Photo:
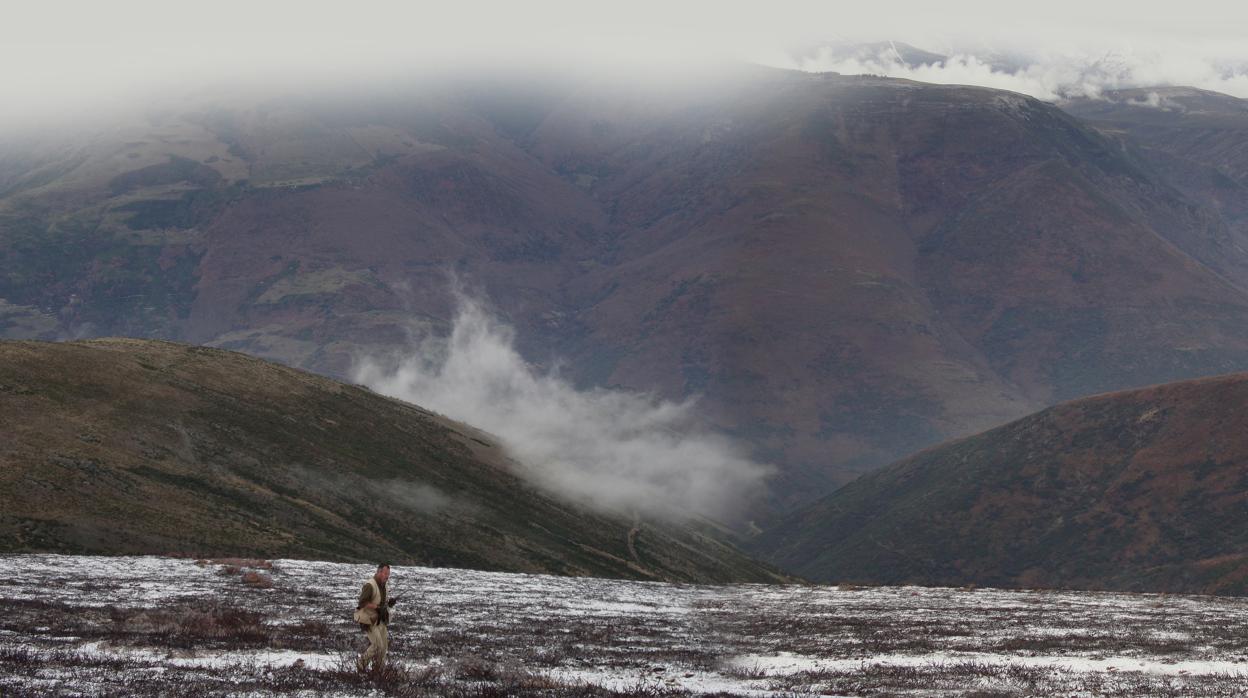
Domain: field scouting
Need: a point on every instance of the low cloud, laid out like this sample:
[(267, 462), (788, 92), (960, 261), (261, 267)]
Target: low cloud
[(1155, 101), (611, 448), (411, 496), (396, 494)]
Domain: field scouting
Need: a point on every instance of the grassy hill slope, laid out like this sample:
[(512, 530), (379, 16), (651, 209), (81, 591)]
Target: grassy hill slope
[(131, 446)]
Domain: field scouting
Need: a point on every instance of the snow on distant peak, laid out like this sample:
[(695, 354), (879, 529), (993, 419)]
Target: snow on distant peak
[(1050, 75)]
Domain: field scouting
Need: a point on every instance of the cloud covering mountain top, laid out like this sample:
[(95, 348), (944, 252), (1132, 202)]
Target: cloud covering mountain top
[(59, 55)]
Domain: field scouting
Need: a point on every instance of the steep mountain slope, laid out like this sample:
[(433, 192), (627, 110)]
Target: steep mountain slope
[(844, 268), (851, 267), (1197, 141), (1188, 123), (1141, 490), (129, 446)]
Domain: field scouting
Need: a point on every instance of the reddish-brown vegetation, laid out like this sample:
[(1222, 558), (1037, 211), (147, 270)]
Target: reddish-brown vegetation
[(1142, 490)]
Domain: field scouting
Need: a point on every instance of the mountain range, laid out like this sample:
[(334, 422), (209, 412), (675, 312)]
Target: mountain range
[(844, 269)]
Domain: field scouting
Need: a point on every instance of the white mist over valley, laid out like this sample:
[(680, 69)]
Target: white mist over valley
[(615, 448)]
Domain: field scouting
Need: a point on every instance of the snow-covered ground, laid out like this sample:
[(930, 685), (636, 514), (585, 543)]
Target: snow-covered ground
[(156, 626)]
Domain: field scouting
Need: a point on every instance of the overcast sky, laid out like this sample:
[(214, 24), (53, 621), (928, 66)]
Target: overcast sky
[(61, 53)]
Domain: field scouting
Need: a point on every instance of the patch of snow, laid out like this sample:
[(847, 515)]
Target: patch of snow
[(749, 640)]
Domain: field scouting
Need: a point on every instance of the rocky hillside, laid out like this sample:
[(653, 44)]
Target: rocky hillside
[(1140, 490), (846, 269), (129, 446)]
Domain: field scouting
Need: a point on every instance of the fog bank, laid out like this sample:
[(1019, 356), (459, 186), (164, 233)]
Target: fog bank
[(61, 57)]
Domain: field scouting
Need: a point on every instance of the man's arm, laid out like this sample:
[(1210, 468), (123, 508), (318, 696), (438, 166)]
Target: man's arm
[(366, 597)]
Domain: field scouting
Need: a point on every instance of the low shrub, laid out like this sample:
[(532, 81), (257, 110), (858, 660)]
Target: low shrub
[(257, 580)]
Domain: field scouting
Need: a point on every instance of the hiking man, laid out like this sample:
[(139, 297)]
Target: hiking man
[(373, 614)]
